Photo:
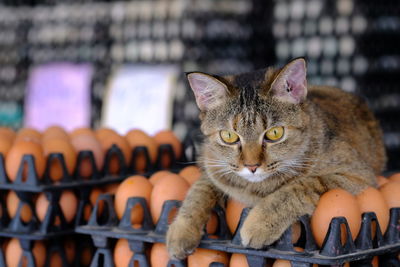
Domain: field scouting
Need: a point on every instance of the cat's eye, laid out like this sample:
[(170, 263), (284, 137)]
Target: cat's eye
[(274, 134), (229, 137)]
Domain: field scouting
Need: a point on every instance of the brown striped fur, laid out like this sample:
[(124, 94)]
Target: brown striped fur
[(333, 141)]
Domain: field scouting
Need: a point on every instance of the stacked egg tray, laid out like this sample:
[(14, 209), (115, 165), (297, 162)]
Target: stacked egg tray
[(104, 227), (28, 185)]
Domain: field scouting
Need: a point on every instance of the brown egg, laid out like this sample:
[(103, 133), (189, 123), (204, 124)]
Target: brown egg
[(81, 131), (172, 187), (134, 186), (390, 192), (88, 142), (110, 188), (372, 200), (69, 248), (68, 204), (158, 176), (13, 254), (168, 137), (191, 174), (122, 253), (137, 138), (94, 195), (12, 206), (334, 203), (395, 177), (55, 259), (286, 263), (102, 133), (375, 261), (28, 134), (8, 133), (5, 145), (54, 132), (204, 257), (233, 211), (212, 224), (159, 255), (17, 151), (114, 139), (238, 260), (86, 256), (381, 180), (64, 147)]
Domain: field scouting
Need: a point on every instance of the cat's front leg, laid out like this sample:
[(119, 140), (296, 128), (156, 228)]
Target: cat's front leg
[(185, 233), (269, 219)]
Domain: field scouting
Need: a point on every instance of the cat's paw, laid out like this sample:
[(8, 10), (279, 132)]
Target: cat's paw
[(255, 233), (182, 239)]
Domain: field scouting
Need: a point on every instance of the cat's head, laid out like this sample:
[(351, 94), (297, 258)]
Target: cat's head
[(254, 122)]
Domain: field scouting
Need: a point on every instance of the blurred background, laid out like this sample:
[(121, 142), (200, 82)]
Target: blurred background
[(120, 63)]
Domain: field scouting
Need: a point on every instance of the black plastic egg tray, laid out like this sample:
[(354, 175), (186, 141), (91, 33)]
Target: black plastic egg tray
[(106, 226)]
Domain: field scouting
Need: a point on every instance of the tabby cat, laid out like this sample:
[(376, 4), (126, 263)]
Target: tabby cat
[(276, 144)]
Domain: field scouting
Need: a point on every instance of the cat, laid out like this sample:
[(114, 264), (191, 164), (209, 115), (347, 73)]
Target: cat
[(275, 144)]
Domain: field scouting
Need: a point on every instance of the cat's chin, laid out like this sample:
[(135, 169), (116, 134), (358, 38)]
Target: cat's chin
[(254, 177)]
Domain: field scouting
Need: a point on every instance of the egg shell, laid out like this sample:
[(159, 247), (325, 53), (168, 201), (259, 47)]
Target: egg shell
[(204, 257), (16, 153), (28, 134), (138, 138), (172, 187), (8, 133), (191, 174), (68, 203), (168, 137), (158, 176), (286, 263), (55, 259), (334, 203), (159, 255), (54, 132), (86, 256), (395, 177), (69, 248), (134, 186), (238, 260), (115, 139), (64, 147), (12, 206), (122, 253), (110, 188), (390, 192), (94, 195), (104, 132), (233, 211), (212, 224), (381, 180), (82, 131), (88, 142), (372, 200), (5, 145), (13, 253), (375, 261)]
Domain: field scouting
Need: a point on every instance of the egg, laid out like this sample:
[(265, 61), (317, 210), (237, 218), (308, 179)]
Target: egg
[(28, 134), (334, 203), (122, 253), (159, 255), (104, 132), (84, 142), (54, 132), (233, 211), (68, 203), (204, 257), (172, 187), (158, 176), (94, 195), (86, 256), (69, 249), (82, 131), (64, 147), (381, 180), (7, 133), (286, 263), (238, 260), (191, 174), (134, 186), (114, 139), (395, 177), (390, 192), (375, 261), (212, 224), (5, 145), (13, 254), (138, 138), (55, 259), (14, 157), (110, 188), (12, 207), (168, 137), (372, 200)]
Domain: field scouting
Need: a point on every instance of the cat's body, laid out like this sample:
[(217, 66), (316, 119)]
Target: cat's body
[(326, 139)]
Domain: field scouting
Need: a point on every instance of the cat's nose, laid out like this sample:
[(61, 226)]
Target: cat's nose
[(252, 167)]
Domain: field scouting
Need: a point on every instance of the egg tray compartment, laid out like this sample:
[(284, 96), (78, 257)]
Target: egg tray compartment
[(360, 252), (32, 183), (53, 246), (34, 229)]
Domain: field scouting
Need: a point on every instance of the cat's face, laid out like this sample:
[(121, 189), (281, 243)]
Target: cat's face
[(253, 129)]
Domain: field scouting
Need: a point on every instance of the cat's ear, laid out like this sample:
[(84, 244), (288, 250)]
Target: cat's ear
[(209, 91), (290, 85)]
